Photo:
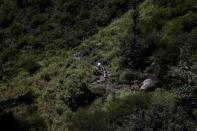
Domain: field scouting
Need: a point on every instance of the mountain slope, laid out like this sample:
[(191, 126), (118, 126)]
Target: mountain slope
[(56, 91), (29, 27), (60, 76)]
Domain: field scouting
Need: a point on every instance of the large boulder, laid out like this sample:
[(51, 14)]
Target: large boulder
[(147, 84)]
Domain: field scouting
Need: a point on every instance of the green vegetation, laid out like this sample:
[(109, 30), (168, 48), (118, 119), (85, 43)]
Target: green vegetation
[(150, 111), (44, 87), (37, 28)]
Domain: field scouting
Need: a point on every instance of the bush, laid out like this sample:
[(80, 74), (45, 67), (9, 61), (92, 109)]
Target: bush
[(46, 77), (23, 122), (98, 90), (96, 71), (151, 111), (135, 54), (38, 20), (163, 113), (7, 13), (127, 77), (22, 3), (166, 57), (31, 66), (110, 119), (169, 56), (77, 93), (130, 77), (88, 120), (41, 25)]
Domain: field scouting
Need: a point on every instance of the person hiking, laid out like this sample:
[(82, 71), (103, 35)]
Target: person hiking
[(77, 56), (102, 71)]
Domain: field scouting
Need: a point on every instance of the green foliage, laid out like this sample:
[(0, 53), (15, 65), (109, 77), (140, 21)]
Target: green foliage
[(127, 77), (7, 13), (156, 111), (162, 114), (96, 71), (23, 122), (31, 66), (98, 90), (135, 53), (77, 93), (170, 33), (101, 120), (84, 120), (161, 38), (41, 26)]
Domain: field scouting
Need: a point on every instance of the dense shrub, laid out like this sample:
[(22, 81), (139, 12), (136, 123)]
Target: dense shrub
[(31, 66), (28, 121), (92, 120), (97, 119), (163, 36), (156, 111), (135, 54), (37, 26), (98, 90), (161, 115), (7, 13), (169, 34), (22, 3), (46, 77), (127, 77), (77, 93)]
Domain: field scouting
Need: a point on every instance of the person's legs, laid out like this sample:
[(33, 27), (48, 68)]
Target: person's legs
[(102, 78)]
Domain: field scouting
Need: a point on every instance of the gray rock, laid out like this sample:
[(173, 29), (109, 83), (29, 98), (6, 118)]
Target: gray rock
[(148, 83)]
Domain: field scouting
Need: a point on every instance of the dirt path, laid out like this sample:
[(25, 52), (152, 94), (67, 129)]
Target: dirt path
[(118, 88)]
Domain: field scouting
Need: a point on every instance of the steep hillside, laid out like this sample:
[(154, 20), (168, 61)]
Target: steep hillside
[(54, 89), (29, 27), (61, 76)]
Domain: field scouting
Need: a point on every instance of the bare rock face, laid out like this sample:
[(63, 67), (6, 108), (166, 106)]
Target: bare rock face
[(148, 83)]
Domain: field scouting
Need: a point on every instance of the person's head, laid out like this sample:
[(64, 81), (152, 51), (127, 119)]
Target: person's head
[(98, 64)]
